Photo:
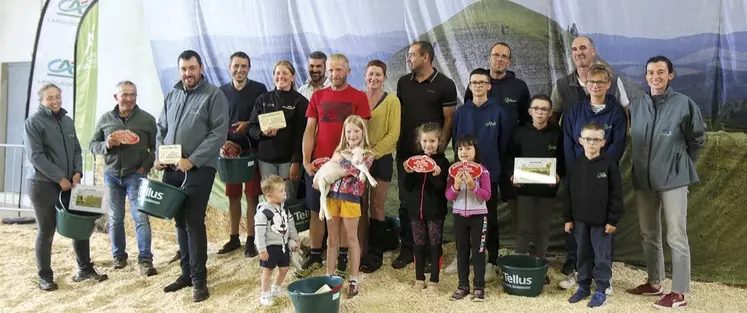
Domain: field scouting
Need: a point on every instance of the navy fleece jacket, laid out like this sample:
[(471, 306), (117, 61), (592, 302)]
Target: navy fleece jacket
[(492, 127), (612, 118)]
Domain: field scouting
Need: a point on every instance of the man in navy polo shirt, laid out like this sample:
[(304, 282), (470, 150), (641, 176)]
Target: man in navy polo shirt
[(242, 93), (426, 95)]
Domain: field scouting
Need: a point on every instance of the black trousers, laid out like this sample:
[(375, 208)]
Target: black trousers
[(427, 234), (493, 241), (594, 256), (470, 234), (190, 220), (44, 195)]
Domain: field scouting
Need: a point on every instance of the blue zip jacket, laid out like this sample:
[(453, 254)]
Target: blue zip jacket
[(612, 118), (492, 127)]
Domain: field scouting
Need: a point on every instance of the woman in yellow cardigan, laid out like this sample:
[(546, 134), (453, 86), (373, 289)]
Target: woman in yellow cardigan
[(383, 133)]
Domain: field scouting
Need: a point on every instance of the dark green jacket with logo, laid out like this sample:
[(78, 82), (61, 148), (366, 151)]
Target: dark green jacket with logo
[(667, 133), (52, 146), (124, 160), (197, 119)]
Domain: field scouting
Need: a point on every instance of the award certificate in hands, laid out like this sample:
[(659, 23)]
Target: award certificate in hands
[(274, 120), (535, 171)]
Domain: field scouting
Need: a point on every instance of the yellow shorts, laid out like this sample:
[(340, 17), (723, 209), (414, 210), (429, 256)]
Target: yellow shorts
[(342, 208)]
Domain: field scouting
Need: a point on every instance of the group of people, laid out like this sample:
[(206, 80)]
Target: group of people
[(583, 125)]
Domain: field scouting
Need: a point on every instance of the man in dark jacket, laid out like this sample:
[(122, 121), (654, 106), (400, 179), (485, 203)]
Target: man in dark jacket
[(242, 94), (512, 94), (124, 165), (195, 116)]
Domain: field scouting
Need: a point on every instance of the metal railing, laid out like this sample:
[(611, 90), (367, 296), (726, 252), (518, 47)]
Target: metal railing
[(13, 168)]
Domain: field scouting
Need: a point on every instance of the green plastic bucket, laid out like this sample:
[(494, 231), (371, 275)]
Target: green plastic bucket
[(74, 225), (523, 275), (159, 199), (302, 294), (237, 170)]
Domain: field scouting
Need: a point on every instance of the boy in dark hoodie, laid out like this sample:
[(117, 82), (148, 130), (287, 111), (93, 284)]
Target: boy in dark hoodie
[(485, 119), (542, 138), (593, 207), (605, 110)]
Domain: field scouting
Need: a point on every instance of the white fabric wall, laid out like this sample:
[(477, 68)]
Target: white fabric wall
[(125, 54)]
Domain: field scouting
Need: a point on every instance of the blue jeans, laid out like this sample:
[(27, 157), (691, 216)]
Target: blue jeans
[(119, 189)]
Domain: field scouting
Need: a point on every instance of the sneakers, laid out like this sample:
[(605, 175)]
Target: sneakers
[(490, 273), (147, 269), (452, 268), (459, 293), (310, 265), (266, 299), (353, 289), (47, 284), (250, 250), (342, 266), (671, 300), (609, 290), (180, 283), (568, 282), (419, 285), (432, 288), (120, 262), (478, 295), (89, 274), (645, 290), (231, 245), (597, 299), (405, 257), (580, 294), (277, 292)]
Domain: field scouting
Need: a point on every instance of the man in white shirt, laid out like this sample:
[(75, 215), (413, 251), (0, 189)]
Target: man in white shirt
[(317, 78)]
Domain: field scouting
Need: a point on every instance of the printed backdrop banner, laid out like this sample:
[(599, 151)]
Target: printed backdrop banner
[(54, 52), (705, 39)]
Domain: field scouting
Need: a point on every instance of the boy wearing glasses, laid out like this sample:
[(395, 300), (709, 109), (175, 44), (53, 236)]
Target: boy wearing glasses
[(593, 207), (484, 118), (605, 110), (540, 138)]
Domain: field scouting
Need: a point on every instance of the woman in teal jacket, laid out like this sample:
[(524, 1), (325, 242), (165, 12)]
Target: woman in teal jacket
[(667, 133), (53, 149)]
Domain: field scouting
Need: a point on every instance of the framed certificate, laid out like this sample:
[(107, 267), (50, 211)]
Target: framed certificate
[(274, 120), (89, 199), (169, 154), (535, 171)]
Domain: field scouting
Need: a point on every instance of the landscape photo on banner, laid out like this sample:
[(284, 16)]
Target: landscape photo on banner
[(707, 44)]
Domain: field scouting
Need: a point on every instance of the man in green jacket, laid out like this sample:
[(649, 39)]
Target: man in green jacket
[(125, 164)]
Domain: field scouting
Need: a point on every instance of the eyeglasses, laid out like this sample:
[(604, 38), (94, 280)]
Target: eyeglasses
[(595, 82), (479, 84), (592, 140), (540, 109)]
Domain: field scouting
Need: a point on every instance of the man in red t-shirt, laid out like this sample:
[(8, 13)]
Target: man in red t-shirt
[(327, 111)]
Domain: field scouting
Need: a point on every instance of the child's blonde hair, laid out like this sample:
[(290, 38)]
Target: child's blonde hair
[(271, 183), (358, 122), (427, 128)]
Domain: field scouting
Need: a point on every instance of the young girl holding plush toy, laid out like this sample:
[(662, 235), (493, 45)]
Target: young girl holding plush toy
[(344, 198)]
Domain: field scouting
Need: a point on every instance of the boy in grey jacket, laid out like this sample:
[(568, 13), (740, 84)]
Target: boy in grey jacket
[(274, 227), (667, 134)]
